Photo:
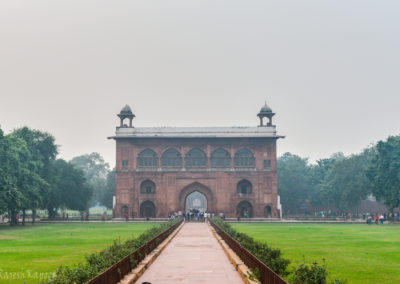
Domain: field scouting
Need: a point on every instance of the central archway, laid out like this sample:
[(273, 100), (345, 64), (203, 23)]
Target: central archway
[(200, 192), (196, 200)]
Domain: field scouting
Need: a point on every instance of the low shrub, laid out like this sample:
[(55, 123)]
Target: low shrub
[(312, 274), (309, 274), (98, 262)]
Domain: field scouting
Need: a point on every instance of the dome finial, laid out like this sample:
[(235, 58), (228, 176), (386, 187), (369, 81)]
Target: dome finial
[(126, 110), (265, 108)]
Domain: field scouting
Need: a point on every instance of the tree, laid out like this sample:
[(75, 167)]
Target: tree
[(96, 172), (106, 198), (349, 180), (293, 182), (34, 183), (323, 191), (14, 156), (68, 189), (384, 172)]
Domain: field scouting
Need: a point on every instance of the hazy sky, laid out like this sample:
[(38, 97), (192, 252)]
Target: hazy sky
[(329, 69)]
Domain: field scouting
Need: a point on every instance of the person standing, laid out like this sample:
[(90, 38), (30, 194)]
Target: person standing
[(126, 217)]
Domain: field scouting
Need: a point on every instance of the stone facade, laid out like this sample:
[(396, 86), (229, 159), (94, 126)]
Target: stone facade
[(234, 168)]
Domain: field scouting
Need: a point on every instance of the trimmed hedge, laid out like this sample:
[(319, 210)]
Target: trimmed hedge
[(303, 274), (269, 256), (98, 262)]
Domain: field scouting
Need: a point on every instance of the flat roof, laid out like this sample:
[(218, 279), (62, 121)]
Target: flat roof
[(196, 132)]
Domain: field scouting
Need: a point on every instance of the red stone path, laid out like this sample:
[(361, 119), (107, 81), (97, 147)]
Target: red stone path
[(193, 256)]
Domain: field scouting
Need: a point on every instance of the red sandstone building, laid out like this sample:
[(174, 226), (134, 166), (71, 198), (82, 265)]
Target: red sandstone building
[(229, 170)]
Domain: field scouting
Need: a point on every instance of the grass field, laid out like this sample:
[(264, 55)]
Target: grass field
[(33, 252), (357, 252)]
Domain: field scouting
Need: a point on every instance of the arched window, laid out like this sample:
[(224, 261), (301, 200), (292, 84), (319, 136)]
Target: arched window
[(171, 158), (220, 158), (244, 158), (196, 158), (147, 209), (244, 187), (148, 187), (148, 158)]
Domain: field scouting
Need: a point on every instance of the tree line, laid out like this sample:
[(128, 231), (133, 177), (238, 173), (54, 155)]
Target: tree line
[(339, 183), (32, 177)]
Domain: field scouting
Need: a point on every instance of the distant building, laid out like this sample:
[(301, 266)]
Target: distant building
[(231, 170)]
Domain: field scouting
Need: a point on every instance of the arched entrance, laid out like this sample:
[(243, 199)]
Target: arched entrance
[(244, 209), (147, 209), (196, 200), (124, 211), (201, 192), (267, 211)]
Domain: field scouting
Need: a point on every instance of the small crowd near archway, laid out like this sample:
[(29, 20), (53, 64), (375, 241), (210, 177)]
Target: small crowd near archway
[(196, 215), (377, 218)]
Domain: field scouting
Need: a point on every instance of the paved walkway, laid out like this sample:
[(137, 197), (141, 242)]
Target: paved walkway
[(193, 256)]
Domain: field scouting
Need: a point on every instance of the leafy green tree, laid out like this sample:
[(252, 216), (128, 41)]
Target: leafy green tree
[(323, 193), (68, 189), (34, 183), (106, 197), (349, 179), (96, 171), (14, 156), (293, 182), (384, 172)]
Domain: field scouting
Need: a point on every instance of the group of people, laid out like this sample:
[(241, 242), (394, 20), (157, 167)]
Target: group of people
[(195, 215), (379, 218)]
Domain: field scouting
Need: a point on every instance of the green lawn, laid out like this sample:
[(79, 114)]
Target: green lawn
[(32, 252), (357, 252)]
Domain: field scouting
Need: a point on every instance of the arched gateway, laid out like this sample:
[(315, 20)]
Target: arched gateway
[(196, 196), (197, 201)]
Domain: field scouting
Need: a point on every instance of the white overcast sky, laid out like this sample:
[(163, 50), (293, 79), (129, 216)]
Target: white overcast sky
[(329, 69)]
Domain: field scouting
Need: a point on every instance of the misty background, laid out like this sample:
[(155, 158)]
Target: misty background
[(329, 69)]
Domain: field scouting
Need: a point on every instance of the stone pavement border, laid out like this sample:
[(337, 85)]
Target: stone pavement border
[(149, 259), (193, 256), (243, 270)]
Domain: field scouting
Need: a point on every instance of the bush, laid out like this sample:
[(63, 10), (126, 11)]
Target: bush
[(98, 262), (305, 274), (269, 256), (312, 274)]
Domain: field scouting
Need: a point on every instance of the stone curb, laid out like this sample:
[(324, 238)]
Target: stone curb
[(240, 267), (148, 260)]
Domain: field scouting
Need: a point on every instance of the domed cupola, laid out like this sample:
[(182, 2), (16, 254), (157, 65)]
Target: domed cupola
[(126, 112), (265, 111)]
